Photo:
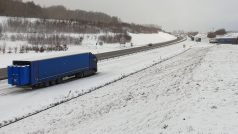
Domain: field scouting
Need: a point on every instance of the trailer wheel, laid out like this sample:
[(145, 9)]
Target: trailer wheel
[(41, 84), (47, 84), (52, 82), (79, 75), (35, 86), (59, 80)]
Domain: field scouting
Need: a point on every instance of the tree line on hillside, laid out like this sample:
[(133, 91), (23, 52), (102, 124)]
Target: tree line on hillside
[(31, 10), (20, 25), (192, 33), (0, 30), (35, 48), (55, 39), (66, 20), (121, 38)]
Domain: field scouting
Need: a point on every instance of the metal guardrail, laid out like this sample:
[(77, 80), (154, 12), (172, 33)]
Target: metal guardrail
[(113, 54), (118, 53)]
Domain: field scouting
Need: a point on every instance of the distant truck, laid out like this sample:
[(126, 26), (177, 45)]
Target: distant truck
[(227, 40), (192, 38), (50, 71), (197, 39), (213, 40)]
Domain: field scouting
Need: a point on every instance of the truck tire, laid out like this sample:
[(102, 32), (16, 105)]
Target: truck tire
[(53, 82), (47, 84), (59, 80), (37, 86)]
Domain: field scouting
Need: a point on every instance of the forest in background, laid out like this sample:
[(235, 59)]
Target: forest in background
[(13, 8), (54, 28)]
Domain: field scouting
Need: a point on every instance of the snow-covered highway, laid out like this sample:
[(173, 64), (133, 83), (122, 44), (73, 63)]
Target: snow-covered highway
[(193, 92), (180, 95), (17, 103)]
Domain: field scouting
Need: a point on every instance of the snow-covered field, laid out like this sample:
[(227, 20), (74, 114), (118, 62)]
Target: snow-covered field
[(88, 45), (194, 92)]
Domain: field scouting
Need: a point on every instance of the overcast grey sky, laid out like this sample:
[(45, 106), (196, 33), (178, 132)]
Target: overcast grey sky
[(202, 15)]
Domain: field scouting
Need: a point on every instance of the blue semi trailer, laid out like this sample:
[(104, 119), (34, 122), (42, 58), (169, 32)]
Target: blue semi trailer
[(50, 71), (227, 40)]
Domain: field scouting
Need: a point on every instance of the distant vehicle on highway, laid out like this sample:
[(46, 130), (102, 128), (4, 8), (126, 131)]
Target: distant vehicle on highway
[(192, 38), (50, 71), (227, 40), (198, 39), (213, 40)]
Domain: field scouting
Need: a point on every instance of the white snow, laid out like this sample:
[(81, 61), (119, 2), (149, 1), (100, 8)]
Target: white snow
[(150, 38), (19, 102), (3, 19)]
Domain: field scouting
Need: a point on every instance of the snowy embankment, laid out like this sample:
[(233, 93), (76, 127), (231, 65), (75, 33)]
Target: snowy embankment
[(22, 102), (195, 92), (88, 45)]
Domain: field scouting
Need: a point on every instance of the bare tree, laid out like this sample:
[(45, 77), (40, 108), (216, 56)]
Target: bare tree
[(0, 30), (21, 49), (9, 50), (4, 48), (15, 49)]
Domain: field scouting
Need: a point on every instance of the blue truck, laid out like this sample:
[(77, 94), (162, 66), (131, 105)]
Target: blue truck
[(227, 40), (50, 71)]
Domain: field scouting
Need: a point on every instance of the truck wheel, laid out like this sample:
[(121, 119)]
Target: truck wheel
[(41, 85), (52, 82), (58, 81), (35, 86), (47, 84), (78, 75)]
